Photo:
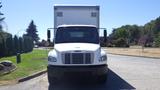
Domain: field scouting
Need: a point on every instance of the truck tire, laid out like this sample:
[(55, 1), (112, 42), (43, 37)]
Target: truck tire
[(52, 80)]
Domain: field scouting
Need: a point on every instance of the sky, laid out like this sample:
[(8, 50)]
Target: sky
[(113, 13)]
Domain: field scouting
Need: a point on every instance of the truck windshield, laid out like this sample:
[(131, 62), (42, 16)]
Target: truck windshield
[(77, 35)]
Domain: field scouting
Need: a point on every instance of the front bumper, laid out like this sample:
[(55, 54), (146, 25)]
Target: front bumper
[(71, 71)]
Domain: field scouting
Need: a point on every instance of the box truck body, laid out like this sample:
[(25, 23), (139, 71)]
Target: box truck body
[(76, 15), (76, 44)]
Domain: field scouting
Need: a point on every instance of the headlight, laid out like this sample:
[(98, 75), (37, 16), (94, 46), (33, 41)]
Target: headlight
[(52, 59), (103, 58)]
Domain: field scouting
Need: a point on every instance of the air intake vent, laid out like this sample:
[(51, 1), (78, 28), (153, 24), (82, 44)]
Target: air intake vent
[(77, 58)]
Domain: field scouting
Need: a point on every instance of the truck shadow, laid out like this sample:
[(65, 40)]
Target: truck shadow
[(114, 82)]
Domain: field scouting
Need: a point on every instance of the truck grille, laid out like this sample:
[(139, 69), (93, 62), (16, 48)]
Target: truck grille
[(77, 58)]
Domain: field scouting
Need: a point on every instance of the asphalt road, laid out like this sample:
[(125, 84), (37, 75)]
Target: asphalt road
[(126, 73)]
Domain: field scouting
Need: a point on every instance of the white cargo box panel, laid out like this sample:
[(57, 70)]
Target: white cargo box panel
[(76, 15)]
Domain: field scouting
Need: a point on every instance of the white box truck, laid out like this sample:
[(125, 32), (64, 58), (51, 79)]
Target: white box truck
[(76, 44)]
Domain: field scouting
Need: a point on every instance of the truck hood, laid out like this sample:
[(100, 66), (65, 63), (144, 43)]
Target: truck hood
[(76, 46)]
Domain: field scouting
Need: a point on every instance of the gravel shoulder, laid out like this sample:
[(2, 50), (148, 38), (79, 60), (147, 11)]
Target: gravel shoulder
[(146, 52)]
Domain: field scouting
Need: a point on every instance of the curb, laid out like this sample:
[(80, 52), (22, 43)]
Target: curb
[(134, 56), (32, 76)]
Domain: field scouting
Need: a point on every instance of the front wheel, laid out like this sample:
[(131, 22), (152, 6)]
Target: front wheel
[(52, 80)]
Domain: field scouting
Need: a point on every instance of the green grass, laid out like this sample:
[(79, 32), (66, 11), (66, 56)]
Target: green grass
[(30, 63)]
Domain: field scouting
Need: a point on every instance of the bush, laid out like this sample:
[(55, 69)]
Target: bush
[(157, 41), (121, 42)]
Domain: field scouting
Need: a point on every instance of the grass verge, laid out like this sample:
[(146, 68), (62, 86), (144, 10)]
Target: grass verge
[(30, 63)]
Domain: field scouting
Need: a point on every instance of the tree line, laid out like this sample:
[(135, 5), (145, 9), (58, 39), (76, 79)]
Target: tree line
[(10, 45), (127, 35)]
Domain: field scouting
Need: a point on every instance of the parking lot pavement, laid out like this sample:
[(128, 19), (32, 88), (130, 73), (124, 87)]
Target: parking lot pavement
[(141, 73), (126, 73)]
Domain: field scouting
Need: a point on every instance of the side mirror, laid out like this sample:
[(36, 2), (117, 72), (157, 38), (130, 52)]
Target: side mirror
[(105, 36), (48, 36)]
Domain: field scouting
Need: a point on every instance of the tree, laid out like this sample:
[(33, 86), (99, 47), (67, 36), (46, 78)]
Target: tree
[(21, 44), (121, 42), (2, 45), (134, 34), (16, 44), (156, 27), (147, 35), (128, 34), (157, 41), (28, 44), (32, 31), (9, 45), (1, 18)]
